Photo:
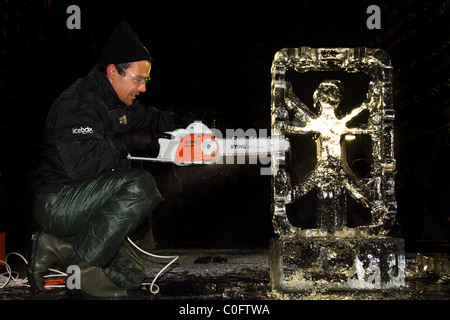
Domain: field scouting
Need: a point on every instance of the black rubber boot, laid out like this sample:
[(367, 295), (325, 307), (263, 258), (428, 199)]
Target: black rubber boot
[(46, 251), (94, 284)]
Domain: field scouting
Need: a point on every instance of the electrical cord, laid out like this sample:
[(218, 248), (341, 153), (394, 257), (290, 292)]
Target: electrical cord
[(152, 284), (7, 278)]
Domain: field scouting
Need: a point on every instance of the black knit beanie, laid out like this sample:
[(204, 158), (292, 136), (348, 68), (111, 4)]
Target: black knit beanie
[(124, 46)]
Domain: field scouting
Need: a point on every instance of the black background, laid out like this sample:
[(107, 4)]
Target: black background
[(213, 58)]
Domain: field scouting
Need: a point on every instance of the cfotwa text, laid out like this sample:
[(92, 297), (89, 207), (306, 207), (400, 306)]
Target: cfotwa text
[(245, 309)]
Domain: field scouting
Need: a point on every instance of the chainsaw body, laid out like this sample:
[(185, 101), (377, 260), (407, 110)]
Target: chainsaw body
[(197, 144)]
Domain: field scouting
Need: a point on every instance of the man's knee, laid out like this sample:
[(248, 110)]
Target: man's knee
[(143, 182), (143, 186)]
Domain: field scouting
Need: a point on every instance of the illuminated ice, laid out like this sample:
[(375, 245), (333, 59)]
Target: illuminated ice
[(332, 179)]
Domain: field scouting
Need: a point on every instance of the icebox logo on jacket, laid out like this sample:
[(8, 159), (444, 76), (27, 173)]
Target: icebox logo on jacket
[(82, 130)]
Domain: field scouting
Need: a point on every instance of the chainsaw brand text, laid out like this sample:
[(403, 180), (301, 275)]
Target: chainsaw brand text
[(246, 147)]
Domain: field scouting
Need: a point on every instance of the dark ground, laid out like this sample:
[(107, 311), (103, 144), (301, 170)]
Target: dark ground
[(243, 275)]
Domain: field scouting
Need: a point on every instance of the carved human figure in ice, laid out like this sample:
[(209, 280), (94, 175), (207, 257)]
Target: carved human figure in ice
[(331, 174)]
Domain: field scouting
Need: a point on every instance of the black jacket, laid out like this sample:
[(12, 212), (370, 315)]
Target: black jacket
[(81, 137)]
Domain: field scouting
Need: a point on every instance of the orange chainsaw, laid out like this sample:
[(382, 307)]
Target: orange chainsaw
[(197, 144)]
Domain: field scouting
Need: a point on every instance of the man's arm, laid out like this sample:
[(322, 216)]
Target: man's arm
[(152, 119), (84, 146)]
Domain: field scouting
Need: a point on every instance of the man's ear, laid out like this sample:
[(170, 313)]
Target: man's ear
[(111, 71)]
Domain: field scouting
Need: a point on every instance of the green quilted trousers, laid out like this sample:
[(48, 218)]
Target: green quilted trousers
[(96, 216)]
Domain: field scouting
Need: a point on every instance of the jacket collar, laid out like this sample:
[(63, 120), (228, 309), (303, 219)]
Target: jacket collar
[(106, 90)]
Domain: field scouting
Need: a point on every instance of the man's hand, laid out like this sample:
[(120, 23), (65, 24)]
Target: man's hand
[(142, 140), (182, 120)]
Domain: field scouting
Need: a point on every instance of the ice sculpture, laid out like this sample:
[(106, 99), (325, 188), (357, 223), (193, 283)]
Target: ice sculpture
[(342, 257)]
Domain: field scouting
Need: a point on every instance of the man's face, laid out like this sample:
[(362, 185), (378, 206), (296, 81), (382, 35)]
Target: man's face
[(128, 86)]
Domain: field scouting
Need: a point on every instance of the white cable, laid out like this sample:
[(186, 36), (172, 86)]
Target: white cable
[(15, 280), (155, 256), (8, 271), (58, 273)]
